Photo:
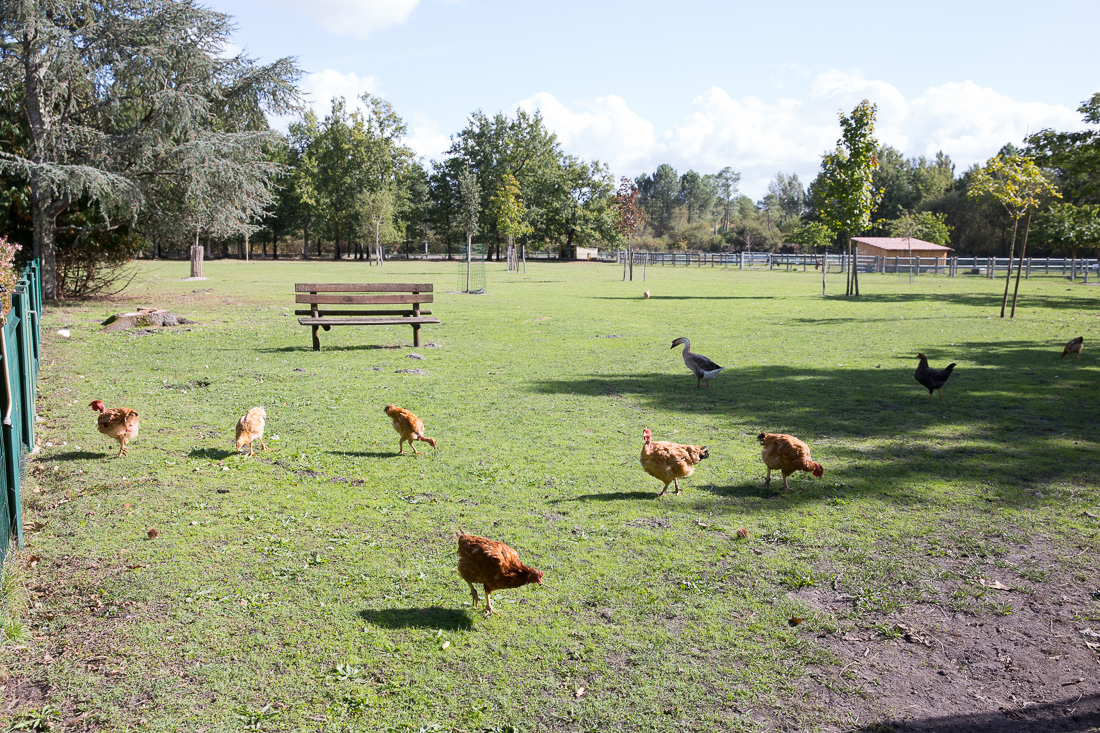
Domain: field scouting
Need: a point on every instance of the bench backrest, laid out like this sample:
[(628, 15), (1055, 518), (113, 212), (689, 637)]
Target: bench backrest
[(363, 293)]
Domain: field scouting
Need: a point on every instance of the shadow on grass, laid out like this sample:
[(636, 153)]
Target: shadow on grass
[(212, 454), (751, 490), (612, 496), (78, 455), (430, 617), (308, 348), (1070, 715), (1014, 417), (686, 297), (366, 454)]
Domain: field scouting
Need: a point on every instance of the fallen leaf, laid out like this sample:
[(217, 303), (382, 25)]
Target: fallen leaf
[(742, 533), (579, 692), (152, 533), (794, 621), (704, 526), (445, 645), (994, 585)]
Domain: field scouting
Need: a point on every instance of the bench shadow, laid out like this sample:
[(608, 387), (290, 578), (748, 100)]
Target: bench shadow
[(356, 347), (429, 617), (75, 455), (213, 454)]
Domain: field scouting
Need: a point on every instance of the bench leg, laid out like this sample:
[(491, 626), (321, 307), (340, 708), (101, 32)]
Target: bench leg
[(316, 340), (416, 334)]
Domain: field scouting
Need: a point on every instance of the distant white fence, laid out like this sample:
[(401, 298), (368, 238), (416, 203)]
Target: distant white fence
[(838, 262)]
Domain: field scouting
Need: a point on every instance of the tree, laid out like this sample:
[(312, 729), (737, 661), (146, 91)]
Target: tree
[(785, 200), (697, 194), (660, 194), (1019, 186), (509, 212), (629, 216), (131, 102), (1065, 227), (727, 180), (922, 225), (469, 193), (377, 210), (812, 236), (1074, 156), (847, 195)]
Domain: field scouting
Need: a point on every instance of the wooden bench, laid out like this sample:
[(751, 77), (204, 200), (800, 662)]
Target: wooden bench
[(349, 299)]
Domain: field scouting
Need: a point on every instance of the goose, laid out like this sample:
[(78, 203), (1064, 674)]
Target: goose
[(703, 368)]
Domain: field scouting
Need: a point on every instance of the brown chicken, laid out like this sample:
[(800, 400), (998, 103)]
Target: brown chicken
[(1074, 347), (250, 428), (409, 427), (786, 454), (120, 423), (668, 462), (494, 565)]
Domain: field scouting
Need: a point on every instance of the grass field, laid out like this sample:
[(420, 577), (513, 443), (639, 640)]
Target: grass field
[(313, 587)]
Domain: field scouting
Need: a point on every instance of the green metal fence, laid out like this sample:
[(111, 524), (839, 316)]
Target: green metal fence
[(19, 360)]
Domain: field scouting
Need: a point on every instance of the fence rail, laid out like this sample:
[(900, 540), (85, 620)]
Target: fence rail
[(838, 262), (20, 357)]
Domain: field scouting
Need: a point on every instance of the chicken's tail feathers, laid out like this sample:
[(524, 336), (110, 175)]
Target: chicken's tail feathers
[(947, 369), (819, 470)]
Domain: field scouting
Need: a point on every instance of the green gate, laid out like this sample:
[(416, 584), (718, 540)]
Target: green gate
[(20, 356)]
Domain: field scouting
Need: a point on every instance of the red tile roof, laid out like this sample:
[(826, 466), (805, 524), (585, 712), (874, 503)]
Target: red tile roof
[(902, 244)]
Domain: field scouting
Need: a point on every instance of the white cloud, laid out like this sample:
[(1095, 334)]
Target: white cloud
[(605, 130), (760, 138), (320, 89), (358, 18)]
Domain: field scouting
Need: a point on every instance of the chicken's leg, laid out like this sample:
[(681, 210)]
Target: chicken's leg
[(677, 485), (401, 447), (786, 486), (473, 593), (263, 444), (663, 490), (488, 603), (768, 479)]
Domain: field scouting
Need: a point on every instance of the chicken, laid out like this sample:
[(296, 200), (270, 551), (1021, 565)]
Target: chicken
[(250, 428), (668, 462), (120, 423), (646, 295), (409, 427), (703, 368), (494, 565), (1074, 347), (933, 379), (786, 454)]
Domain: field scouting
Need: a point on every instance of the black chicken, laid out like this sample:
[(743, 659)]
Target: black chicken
[(933, 379)]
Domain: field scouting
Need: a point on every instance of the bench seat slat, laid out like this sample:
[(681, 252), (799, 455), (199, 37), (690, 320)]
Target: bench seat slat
[(365, 321), (325, 312), (362, 287), (364, 299)]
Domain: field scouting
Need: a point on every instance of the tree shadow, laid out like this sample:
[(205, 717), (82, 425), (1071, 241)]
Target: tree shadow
[(1021, 420), (985, 300), (429, 617), (685, 297), (1072, 715), (612, 496), (212, 454), (76, 455)]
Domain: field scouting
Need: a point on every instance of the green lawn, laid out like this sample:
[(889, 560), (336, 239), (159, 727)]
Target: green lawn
[(313, 587)]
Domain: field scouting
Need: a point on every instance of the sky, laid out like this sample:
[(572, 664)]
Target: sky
[(698, 84)]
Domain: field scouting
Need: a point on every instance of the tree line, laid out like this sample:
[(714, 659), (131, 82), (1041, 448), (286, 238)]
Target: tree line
[(126, 130)]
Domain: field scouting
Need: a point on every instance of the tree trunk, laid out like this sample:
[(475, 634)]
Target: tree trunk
[(1023, 253), (469, 259), (45, 246), (1008, 277)]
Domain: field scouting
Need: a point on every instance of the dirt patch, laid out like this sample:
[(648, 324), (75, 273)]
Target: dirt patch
[(1029, 664), (650, 523)]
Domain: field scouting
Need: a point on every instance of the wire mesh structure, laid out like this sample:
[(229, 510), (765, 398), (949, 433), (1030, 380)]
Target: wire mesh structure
[(471, 278)]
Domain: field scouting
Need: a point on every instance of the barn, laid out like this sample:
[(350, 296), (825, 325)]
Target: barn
[(904, 247)]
